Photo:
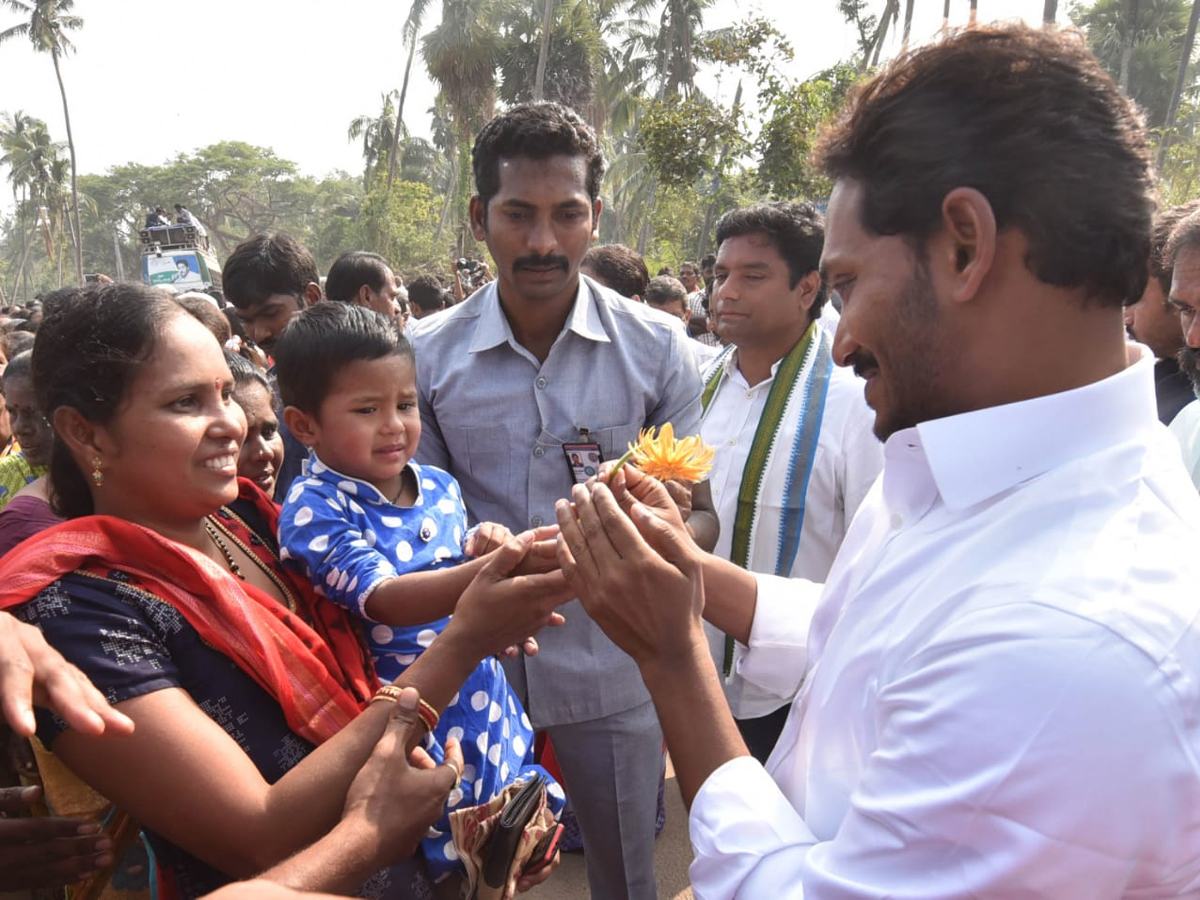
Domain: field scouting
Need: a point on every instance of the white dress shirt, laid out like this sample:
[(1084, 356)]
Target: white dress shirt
[(1003, 681), (1186, 429), (847, 461)]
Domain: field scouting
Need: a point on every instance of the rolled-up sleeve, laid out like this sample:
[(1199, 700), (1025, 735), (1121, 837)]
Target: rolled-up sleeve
[(778, 653)]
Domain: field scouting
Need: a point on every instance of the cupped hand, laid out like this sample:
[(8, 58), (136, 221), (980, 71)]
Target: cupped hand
[(637, 574), (631, 485), (46, 851), (502, 607), (31, 671), (396, 796)]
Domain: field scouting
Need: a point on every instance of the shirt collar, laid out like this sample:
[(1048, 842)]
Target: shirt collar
[(584, 319), (977, 455), (356, 487)]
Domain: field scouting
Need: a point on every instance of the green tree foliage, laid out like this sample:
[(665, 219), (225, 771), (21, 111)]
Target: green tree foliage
[(1156, 36), (401, 224), (786, 140), (683, 138)]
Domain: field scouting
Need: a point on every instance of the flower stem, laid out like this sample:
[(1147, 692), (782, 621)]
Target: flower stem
[(617, 466)]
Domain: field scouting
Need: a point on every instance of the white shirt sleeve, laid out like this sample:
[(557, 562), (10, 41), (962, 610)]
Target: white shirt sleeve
[(980, 735), (778, 652)]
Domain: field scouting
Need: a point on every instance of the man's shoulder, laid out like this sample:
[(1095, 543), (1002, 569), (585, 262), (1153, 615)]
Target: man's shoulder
[(454, 323), (632, 319)]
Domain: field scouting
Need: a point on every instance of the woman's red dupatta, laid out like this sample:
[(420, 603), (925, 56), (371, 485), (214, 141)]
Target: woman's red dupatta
[(319, 673)]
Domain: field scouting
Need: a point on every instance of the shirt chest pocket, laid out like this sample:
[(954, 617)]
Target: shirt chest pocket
[(615, 441)]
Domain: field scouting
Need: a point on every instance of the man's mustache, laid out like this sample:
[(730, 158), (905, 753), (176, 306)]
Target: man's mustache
[(541, 262)]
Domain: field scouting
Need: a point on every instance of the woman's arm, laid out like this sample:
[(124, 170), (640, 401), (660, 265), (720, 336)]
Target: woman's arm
[(182, 776)]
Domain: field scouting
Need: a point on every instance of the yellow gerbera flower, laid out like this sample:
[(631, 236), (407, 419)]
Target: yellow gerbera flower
[(666, 458)]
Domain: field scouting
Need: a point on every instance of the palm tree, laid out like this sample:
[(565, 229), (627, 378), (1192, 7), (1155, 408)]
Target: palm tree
[(377, 137), (49, 21), (1049, 13), (34, 165), (1139, 44), (1185, 60), (1127, 39), (412, 28), (539, 81), (945, 18), (971, 20)]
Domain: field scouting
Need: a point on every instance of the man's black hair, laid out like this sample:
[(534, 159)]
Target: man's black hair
[(321, 341), (536, 131), (795, 230), (427, 292), (267, 264), (351, 271)]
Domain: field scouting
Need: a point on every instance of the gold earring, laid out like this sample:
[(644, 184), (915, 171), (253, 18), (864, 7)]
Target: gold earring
[(97, 475)]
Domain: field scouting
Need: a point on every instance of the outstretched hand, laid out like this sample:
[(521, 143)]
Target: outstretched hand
[(637, 574), (395, 798), (503, 606), (31, 671), (46, 851)]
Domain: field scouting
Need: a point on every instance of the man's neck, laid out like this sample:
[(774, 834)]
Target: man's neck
[(536, 325), (756, 362)]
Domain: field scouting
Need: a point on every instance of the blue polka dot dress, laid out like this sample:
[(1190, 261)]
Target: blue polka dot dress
[(345, 536)]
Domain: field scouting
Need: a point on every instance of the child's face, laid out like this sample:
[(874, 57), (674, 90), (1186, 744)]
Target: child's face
[(368, 426)]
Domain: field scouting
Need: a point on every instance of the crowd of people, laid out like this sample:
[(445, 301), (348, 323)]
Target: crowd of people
[(290, 582)]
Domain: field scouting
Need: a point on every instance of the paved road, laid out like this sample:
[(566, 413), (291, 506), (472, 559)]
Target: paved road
[(673, 855)]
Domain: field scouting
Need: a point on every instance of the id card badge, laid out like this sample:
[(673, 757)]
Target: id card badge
[(584, 460)]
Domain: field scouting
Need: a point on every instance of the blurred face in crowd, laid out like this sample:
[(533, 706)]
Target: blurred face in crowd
[(687, 276), (1154, 322), (383, 301), (1185, 300), (264, 322), (538, 227), (32, 430), (261, 455), (677, 307)]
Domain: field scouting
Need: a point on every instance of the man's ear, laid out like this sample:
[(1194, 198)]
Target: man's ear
[(967, 242), (313, 293), (363, 297), (302, 425), (478, 215), (597, 205), (83, 439), (810, 286)]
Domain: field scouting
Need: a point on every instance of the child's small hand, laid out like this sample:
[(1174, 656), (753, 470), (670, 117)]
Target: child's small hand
[(486, 538)]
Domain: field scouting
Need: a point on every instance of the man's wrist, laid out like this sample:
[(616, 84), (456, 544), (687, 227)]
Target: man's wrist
[(679, 664)]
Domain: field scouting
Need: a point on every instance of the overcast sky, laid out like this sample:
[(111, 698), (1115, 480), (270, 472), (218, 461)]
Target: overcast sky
[(152, 79)]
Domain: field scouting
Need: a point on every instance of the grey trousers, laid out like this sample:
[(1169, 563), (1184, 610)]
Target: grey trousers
[(611, 767)]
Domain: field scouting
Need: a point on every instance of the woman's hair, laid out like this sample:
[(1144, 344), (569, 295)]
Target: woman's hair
[(204, 308), (245, 372), (89, 350), (324, 339)]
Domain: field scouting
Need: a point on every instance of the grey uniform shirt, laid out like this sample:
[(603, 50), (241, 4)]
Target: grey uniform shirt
[(496, 419)]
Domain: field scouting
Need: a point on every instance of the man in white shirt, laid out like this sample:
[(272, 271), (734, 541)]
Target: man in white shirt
[(1183, 251), (1153, 321), (795, 454), (1002, 674)]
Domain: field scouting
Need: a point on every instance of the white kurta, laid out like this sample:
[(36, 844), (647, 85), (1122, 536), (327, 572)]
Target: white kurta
[(847, 461), (1003, 681)]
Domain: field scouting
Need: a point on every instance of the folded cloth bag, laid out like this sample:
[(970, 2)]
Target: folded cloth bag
[(496, 840)]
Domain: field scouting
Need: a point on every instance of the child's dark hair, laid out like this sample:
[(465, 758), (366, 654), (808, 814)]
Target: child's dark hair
[(321, 341)]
